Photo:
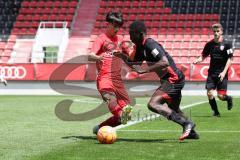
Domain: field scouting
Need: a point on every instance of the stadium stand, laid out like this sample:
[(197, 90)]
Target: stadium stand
[(8, 12), (182, 27), (22, 17), (34, 11)]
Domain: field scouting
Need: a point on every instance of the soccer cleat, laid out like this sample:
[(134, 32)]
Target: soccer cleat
[(126, 114), (193, 135), (216, 114), (186, 130), (229, 103), (95, 129)]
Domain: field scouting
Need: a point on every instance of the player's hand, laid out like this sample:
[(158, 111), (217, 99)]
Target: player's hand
[(120, 55), (117, 53), (127, 47), (221, 76), (138, 69), (196, 61), (100, 57)]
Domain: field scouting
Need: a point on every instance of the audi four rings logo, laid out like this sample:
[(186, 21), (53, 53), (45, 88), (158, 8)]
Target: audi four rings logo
[(13, 72)]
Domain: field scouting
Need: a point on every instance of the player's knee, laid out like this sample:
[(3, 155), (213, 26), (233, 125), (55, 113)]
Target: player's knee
[(150, 105), (210, 94), (109, 97), (221, 97)]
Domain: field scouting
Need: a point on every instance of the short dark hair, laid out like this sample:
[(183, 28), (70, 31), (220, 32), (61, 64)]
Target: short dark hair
[(138, 27), (217, 25), (115, 18)]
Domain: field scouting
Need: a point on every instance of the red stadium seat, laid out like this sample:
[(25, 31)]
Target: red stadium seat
[(151, 4), (163, 24), (58, 4), (177, 44), (185, 45), (135, 3), (165, 17), (155, 24), (127, 4), (143, 4), (175, 52)]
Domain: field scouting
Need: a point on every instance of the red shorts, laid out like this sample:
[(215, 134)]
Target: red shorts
[(114, 86)]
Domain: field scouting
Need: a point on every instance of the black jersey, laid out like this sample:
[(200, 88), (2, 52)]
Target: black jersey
[(151, 52), (219, 54)]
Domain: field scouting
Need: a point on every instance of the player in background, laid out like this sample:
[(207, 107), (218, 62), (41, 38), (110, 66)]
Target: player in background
[(109, 81), (167, 98), (221, 54), (3, 80)]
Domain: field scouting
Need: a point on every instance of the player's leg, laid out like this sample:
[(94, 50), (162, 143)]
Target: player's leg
[(213, 103), (210, 86), (124, 102), (222, 93), (158, 105), (114, 108), (174, 105), (118, 104)]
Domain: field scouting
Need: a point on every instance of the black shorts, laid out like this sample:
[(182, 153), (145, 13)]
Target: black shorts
[(213, 82), (170, 93)]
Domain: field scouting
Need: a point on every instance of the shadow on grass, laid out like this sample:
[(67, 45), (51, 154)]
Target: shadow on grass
[(127, 139)]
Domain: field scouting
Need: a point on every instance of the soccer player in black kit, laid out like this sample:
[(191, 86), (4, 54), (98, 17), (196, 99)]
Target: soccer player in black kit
[(166, 99), (221, 54)]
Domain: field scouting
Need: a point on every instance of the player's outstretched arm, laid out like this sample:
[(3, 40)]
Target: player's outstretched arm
[(126, 59), (161, 64)]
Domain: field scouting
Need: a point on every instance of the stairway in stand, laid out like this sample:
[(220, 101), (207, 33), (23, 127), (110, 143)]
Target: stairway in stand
[(81, 30)]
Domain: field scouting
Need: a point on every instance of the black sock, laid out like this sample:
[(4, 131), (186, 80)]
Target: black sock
[(178, 118), (226, 97), (213, 105)]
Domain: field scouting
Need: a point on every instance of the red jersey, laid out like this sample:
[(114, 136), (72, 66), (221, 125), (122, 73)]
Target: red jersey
[(110, 66)]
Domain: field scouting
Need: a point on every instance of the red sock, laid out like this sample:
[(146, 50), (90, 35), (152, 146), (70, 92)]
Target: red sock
[(112, 121), (114, 108)]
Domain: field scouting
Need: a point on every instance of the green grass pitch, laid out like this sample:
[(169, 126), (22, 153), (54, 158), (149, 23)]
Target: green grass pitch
[(30, 130)]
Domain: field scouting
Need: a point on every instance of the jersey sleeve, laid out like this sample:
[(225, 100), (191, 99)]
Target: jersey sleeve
[(155, 49), (206, 50), (97, 45)]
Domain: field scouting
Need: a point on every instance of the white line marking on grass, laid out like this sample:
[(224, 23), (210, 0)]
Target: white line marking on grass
[(169, 131), (92, 101), (151, 117), (87, 101)]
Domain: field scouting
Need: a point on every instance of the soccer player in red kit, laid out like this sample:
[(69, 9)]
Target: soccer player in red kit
[(109, 81), (221, 54)]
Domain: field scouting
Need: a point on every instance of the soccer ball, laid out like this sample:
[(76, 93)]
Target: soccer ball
[(106, 135)]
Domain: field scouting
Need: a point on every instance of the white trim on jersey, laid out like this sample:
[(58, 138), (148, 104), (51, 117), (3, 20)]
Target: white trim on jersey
[(230, 51)]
